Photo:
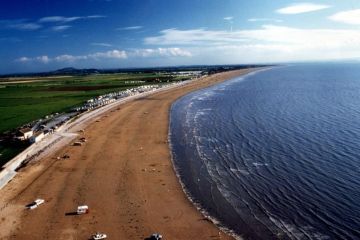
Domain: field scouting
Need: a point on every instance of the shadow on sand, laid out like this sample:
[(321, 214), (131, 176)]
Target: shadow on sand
[(71, 213)]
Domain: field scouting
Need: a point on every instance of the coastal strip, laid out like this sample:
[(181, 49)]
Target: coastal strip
[(65, 133), (123, 173)]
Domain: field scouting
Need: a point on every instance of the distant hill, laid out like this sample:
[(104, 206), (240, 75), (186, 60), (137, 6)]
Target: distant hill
[(74, 71)]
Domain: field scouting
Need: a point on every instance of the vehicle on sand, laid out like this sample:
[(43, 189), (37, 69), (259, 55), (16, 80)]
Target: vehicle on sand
[(98, 236), (35, 203), (82, 210), (155, 236), (77, 144)]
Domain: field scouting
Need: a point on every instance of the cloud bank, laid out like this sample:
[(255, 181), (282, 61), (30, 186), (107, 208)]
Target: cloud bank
[(298, 8), (113, 54), (27, 25), (267, 44), (348, 17)]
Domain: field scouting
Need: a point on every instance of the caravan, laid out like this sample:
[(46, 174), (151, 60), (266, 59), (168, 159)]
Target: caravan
[(82, 210)]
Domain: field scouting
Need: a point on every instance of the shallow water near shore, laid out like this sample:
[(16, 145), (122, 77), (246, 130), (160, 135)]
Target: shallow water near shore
[(275, 154)]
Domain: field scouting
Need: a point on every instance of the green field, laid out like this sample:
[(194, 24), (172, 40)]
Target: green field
[(8, 152), (23, 100), (27, 99)]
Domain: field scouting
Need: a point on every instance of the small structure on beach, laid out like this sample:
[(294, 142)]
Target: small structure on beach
[(25, 133), (37, 137)]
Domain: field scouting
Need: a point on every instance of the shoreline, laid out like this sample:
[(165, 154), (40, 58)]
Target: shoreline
[(140, 192)]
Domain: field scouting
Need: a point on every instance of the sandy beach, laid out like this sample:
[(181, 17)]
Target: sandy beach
[(123, 173)]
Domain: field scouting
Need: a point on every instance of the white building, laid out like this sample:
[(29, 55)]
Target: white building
[(25, 133), (37, 137)]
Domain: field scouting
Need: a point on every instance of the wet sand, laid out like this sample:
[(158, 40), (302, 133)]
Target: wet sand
[(123, 173)]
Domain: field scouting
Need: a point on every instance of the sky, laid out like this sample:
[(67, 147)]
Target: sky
[(44, 35)]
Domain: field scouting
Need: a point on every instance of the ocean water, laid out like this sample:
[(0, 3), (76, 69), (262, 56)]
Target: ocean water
[(275, 154)]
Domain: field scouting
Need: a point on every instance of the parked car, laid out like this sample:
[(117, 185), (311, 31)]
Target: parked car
[(98, 236), (82, 209), (35, 203), (77, 144), (155, 236)]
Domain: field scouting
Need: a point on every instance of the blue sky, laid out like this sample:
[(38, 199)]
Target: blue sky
[(41, 35)]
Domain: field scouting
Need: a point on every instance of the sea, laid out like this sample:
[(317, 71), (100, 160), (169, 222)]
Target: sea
[(274, 154)]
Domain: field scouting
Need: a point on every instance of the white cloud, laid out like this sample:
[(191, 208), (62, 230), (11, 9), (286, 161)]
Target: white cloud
[(194, 37), (161, 52), (58, 19), (130, 28), (298, 8), (266, 34), (109, 54), (23, 59), (348, 17), (19, 24), (25, 26), (94, 16), (55, 19), (228, 18), (174, 52), (264, 20), (43, 59), (268, 43), (113, 54), (101, 44), (60, 28), (69, 58)]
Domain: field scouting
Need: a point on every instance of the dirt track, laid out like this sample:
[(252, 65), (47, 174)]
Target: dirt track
[(123, 172)]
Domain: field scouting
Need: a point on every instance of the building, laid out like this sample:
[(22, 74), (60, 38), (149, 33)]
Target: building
[(25, 133), (37, 137)]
